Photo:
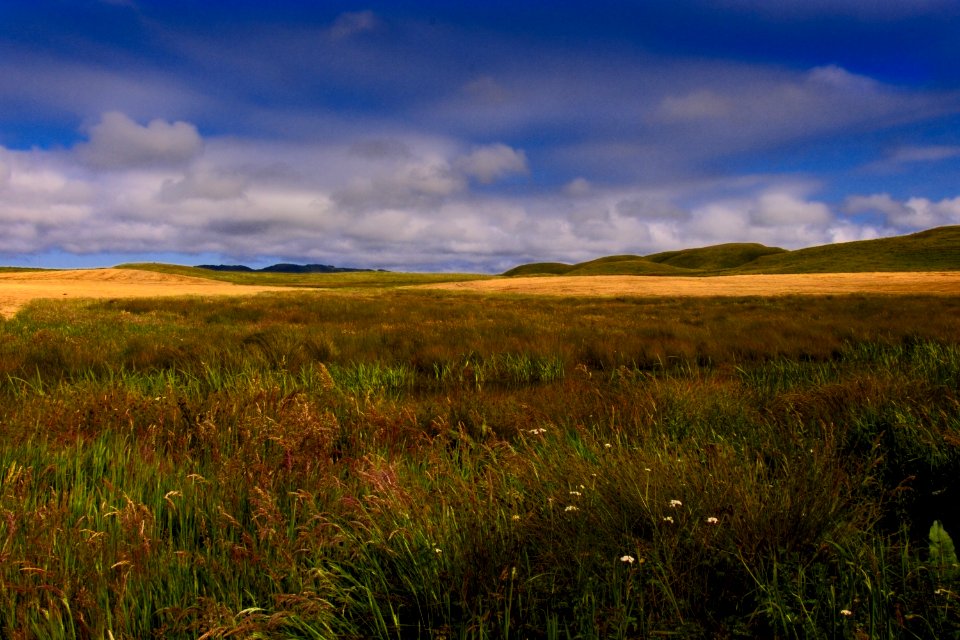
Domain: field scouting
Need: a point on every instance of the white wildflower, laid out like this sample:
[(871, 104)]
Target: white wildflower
[(668, 519), (846, 613), (627, 559), (571, 508), (712, 520), (675, 503)]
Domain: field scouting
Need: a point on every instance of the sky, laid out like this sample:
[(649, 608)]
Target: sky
[(437, 136)]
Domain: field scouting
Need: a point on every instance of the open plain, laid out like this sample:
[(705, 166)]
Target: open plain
[(19, 288), (934, 283), (348, 456)]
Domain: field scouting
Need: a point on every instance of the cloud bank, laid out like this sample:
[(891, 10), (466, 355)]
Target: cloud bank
[(408, 140), (388, 203), (117, 142)]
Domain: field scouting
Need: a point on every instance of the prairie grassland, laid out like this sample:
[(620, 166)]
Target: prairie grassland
[(18, 288), (895, 283), (404, 464)]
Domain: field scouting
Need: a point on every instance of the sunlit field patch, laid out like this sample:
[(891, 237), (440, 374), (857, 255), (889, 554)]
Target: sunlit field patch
[(411, 463)]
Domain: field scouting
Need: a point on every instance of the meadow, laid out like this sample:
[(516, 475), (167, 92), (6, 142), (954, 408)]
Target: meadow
[(376, 462)]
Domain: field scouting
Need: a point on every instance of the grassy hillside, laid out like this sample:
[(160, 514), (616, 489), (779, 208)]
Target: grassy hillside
[(721, 256), (636, 266), (933, 250), (608, 265), (540, 269)]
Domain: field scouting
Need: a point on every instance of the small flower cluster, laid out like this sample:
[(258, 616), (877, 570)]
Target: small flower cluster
[(538, 431)]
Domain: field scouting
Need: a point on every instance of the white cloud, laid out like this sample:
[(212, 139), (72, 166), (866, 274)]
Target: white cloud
[(39, 191), (205, 184), (381, 149), (430, 178), (117, 142), (398, 201), (837, 78), (4, 168), (577, 187), (911, 214), (776, 215), (492, 162), (933, 153), (879, 202), (698, 105), (487, 91), (784, 208), (63, 88), (650, 208), (752, 106), (902, 157), (417, 183), (848, 232), (685, 118), (423, 176), (351, 23)]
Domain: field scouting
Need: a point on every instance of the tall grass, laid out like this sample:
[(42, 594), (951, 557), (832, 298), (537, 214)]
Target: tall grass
[(428, 465)]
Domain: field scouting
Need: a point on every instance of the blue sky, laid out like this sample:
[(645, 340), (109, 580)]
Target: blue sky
[(444, 136)]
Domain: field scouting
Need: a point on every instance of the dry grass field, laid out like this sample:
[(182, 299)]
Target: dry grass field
[(935, 283), (17, 289), (351, 457)]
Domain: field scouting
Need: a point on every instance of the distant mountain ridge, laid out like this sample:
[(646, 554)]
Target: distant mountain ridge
[(284, 268), (932, 250)]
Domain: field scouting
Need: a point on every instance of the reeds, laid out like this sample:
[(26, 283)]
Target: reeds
[(428, 465)]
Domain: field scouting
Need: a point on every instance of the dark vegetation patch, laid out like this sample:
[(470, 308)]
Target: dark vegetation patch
[(420, 464)]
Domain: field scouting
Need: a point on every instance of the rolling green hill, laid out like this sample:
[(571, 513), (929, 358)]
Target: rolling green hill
[(540, 269), (636, 266), (618, 265), (720, 256), (932, 250)]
